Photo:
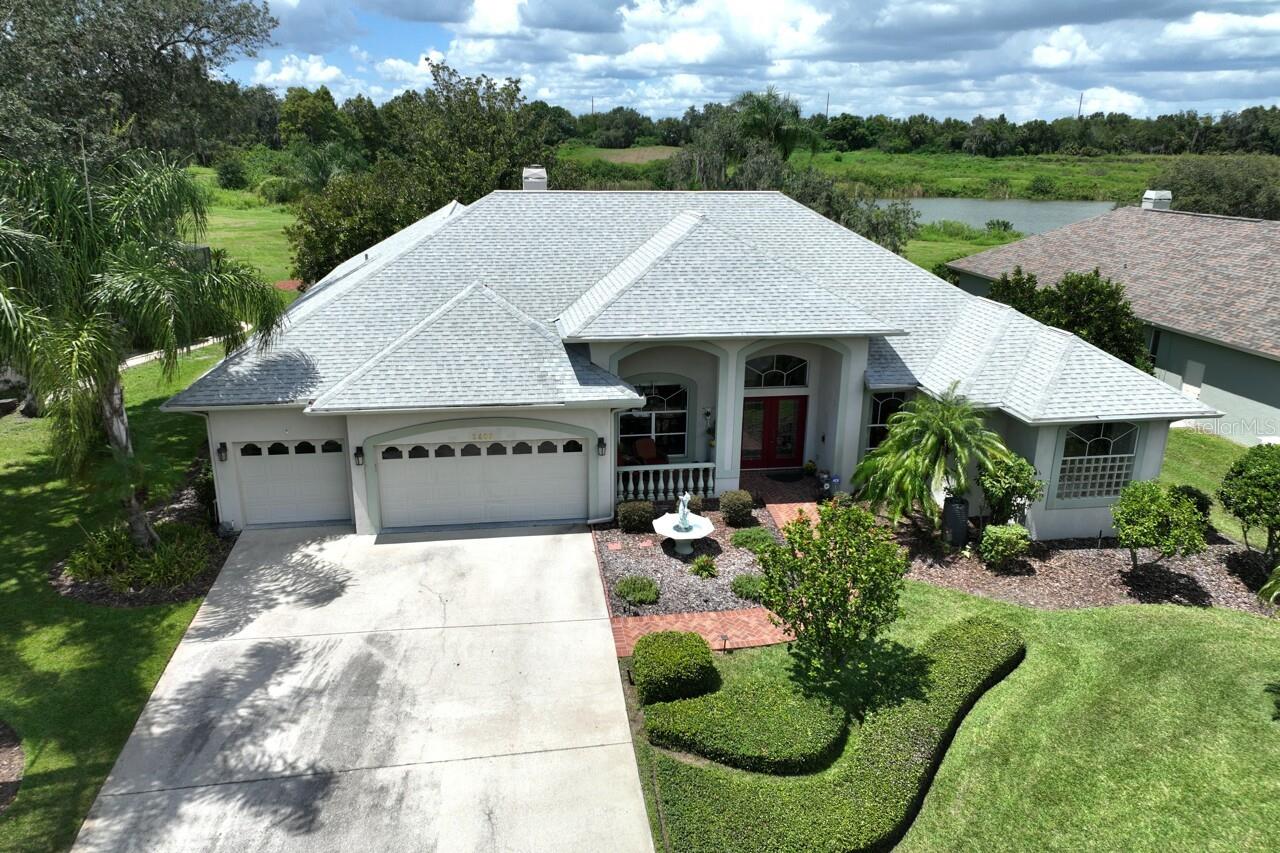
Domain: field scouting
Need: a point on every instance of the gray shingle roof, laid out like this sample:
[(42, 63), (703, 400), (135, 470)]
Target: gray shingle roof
[(1214, 277), (579, 256)]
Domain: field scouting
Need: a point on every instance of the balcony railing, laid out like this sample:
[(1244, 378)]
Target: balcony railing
[(666, 482)]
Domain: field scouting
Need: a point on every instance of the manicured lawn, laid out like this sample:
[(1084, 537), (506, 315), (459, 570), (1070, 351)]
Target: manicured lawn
[(1200, 459), (1129, 728), (248, 228), (938, 242), (73, 677)]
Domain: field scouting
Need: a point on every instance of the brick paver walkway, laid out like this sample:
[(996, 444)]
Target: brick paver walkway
[(783, 500), (723, 629)]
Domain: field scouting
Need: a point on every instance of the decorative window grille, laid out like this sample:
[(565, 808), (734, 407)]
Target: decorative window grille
[(883, 405), (1097, 460), (776, 371), (665, 419)]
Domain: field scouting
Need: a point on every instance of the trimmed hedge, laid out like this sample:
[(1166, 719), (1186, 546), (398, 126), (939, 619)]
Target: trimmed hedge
[(1002, 544), (753, 722), (636, 516), (637, 589), (736, 506), (868, 798), (749, 586), (754, 539), (671, 665)]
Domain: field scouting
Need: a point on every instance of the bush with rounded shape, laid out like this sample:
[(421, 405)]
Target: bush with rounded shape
[(753, 539), (637, 589), (736, 507), (749, 586), (1203, 503), (636, 516), (696, 504), (279, 190), (1009, 486), (231, 174), (1251, 492), (704, 566), (1147, 515), (1001, 544), (671, 665)]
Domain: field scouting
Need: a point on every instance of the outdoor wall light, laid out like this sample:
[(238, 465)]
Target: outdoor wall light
[(359, 454), (222, 451), (600, 446)]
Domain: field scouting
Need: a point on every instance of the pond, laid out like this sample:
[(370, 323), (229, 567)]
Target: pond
[(1029, 217)]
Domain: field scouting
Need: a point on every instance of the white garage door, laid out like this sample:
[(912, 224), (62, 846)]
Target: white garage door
[(539, 479), (291, 481)]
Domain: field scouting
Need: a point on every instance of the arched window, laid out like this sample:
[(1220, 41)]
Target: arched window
[(445, 451), (417, 452), (250, 450), (470, 450), (776, 371), (497, 449), (521, 448), (304, 447), (664, 419), (392, 453), (883, 406), (278, 448), (331, 446), (572, 446), (547, 447), (1097, 460)]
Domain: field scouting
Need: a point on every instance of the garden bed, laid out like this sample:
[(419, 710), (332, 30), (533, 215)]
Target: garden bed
[(11, 764), (651, 555)]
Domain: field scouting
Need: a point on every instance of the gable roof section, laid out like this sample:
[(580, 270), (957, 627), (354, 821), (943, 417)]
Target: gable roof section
[(694, 280), (475, 350), (1213, 277)]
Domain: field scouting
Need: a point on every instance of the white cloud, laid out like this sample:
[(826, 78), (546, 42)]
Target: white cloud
[(416, 74), (1204, 26), (1109, 99), (1065, 46), (294, 70)]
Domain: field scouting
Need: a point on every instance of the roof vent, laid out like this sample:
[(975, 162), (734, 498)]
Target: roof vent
[(1151, 199), (535, 177)]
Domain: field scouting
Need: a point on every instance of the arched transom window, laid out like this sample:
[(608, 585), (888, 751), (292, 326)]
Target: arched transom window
[(1097, 460), (776, 371)]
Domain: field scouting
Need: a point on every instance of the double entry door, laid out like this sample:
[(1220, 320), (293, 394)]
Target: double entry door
[(773, 432)]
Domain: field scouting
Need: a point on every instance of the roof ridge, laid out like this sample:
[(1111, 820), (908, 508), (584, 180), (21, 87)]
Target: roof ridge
[(514, 310), (581, 312), (990, 346), (1047, 391)]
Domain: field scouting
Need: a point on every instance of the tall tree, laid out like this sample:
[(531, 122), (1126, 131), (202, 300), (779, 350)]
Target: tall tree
[(773, 118), (90, 261), (1228, 186)]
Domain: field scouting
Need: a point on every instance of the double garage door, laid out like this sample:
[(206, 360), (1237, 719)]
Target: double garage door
[(482, 481), (288, 481)]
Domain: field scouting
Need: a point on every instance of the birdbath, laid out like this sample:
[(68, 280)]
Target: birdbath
[(682, 527)]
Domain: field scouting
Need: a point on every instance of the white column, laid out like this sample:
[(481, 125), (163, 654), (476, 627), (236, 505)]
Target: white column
[(728, 418), (850, 386)]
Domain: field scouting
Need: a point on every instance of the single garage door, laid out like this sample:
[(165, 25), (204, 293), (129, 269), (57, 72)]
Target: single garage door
[(291, 481), (540, 479)]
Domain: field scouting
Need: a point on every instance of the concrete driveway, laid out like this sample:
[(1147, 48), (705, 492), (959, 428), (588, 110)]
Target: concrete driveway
[(343, 692)]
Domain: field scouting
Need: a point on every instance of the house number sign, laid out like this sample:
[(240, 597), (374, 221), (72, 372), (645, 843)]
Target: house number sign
[(482, 436)]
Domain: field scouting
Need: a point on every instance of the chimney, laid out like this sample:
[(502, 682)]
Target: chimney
[(1157, 200), (535, 178)]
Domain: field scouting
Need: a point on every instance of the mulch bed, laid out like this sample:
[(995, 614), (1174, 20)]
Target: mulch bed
[(653, 556), (10, 765), (185, 507)]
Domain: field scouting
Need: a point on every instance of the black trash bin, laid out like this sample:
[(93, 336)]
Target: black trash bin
[(955, 521)]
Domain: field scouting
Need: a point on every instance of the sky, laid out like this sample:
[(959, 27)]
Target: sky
[(1024, 58)]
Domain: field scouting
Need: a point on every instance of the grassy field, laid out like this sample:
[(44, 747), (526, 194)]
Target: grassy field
[(1200, 459), (638, 154), (248, 228), (1127, 728), (938, 242), (74, 676)]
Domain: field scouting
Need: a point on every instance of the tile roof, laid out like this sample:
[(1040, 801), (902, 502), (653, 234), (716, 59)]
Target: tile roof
[(1212, 277), (667, 263)]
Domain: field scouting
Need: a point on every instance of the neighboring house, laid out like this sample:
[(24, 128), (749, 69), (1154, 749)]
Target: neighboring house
[(1207, 286), (538, 356)]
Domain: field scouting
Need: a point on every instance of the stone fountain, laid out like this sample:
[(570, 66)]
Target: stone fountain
[(682, 527)]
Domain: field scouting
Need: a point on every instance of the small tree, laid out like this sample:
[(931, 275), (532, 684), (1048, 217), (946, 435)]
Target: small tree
[(1147, 515), (1009, 486), (1251, 492), (835, 585)]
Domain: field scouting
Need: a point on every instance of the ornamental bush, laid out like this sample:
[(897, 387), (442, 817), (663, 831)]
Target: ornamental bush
[(1251, 492), (1203, 503), (671, 665), (636, 516), (1147, 515), (753, 539), (1001, 544), (749, 586), (108, 555), (637, 589), (1009, 486), (704, 566), (736, 507)]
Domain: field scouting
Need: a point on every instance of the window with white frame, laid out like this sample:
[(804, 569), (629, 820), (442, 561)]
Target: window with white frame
[(1097, 460), (776, 371), (664, 420), (884, 404)]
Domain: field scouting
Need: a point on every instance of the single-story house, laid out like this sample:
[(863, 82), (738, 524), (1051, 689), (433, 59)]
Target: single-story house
[(541, 355), (1207, 286)]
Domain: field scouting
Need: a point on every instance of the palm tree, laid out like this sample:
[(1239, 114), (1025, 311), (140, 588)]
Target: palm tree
[(929, 449), (775, 119), (91, 265)]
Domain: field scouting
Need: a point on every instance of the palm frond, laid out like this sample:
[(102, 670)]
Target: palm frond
[(72, 364), (152, 197)]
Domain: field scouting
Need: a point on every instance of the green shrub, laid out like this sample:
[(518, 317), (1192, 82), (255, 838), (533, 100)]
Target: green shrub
[(108, 555), (1147, 515), (279, 190), (1251, 492), (231, 174), (1198, 497), (736, 507), (704, 566), (1003, 543), (206, 491), (671, 665), (636, 516), (1042, 186), (1009, 486), (749, 586), (637, 589), (754, 722), (754, 539), (696, 504)]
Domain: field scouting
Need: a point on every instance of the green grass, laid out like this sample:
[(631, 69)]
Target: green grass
[(1125, 728), (1200, 459), (247, 227), (74, 676), (638, 154), (946, 240)]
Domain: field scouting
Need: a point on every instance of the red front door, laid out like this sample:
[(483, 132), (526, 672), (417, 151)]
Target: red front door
[(773, 432)]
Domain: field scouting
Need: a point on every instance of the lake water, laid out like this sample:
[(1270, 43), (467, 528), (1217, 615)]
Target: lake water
[(1029, 217)]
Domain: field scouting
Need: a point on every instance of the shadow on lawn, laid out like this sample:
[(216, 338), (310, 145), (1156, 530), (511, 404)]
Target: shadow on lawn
[(884, 673), (1274, 689)]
